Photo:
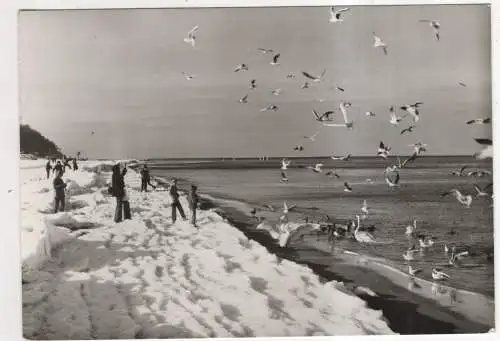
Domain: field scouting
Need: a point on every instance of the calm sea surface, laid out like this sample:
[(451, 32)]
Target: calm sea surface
[(390, 210)]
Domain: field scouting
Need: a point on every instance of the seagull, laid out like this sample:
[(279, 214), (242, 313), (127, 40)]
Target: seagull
[(383, 150), (425, 243), (287, 209), (316, 168), (341, 158), (269, 207), (462, 84), (305, 85), (347, 188), (379, 43), (437, 274), (435, 25), (339, 88), (312, 137), (290, 76), (285, 164), (276, 92), (332, 173), (409, 130), (364, 208), (479, 173), (408, 255), (314, 78), (269, 108), (410, 229), (459, 173), (394, 119), (419, 147), (191, 37), (481, 192), (244, 99), (336, 15), (283, 177), (347, 124), (370, 114), (323, 117), (487, 152), (252, 84), (299, 148), (480, 121), (275, 59), (265, 51), (463, 199), (241, 67), (391, 176), (413, 271), (412, 109), (456, 256), (188, 76)]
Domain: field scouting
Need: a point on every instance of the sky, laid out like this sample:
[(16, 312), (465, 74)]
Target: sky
[(118, 73)]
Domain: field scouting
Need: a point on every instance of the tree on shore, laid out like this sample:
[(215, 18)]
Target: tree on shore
[(34, 143)]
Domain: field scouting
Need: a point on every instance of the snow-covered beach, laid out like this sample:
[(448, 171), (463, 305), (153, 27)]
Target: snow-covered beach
[(85, 276)]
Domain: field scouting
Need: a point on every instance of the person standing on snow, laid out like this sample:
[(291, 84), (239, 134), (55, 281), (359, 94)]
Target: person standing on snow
[(193, 203), (59, 200), (48, 167), (176, 204)]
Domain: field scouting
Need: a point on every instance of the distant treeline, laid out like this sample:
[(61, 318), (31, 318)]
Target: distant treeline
[(34, 143)]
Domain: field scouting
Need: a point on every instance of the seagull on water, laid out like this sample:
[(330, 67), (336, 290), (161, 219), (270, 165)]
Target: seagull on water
[(383, 150), (378, 42), (285, 164), (364, 208), (465, 200), (412, 109), (482, 192), (323, 117), (460, 172), (314, 78), (394, 119), (480, 173), (252, 84), (347, 124), (188, 76), (316, 168), (347, 187), (407, 130), (484, 120), (244, 99), (435, 25), (275, 59), (412, 271), (487, 152), (191, 37), (269, 108), (456, 256), (437, 274), (284, 178), (408, 255), (241, 67), (341, 158), (336, 15)]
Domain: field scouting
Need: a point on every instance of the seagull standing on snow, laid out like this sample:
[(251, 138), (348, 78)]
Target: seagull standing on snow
[(191, 37), (412, 109), (275, 59), (298, 148), (379, 43), (435, 25), (480, 121), (465, 200), (241, 67), (383, 150), (314, 78), (336, 15)]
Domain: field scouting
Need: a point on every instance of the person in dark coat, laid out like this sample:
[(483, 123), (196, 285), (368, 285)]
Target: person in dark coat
[(66, 164), (145, 179), (176, 205), (48, 167), (58, 168), (75, 165), (118, 191), (126, 204), (59, 186), (193, 203)]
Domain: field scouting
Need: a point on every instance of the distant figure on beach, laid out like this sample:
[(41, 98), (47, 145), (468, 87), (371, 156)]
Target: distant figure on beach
[(193, 203), (145, 179), (66, 164), (48, 167), (176, 205), (126, 203), (58, 168), (118, 191), (75, 165), (59, 187)]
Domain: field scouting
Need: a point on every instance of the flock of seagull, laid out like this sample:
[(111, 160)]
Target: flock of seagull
[(391, 172)]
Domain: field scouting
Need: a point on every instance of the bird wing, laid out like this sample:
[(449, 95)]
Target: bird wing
[(344, 112), (269, 207), (327, 113), (470, 122), (193, 31), (462, 169), (461, 254), (404, 131), (318, 117), (308, 75), (276, 57), (487, 120), (292, 207)]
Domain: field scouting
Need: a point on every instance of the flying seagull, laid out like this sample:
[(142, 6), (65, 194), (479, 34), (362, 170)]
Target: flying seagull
[(481, 192), (379, 43), (465, 200), (347, 187), (412, 271), (275, 59), (394, 119), (435, 25), (276, 92), (241, 67), (316, 168), (191, 37), (391, 176), (364, 208), (265, 51), (252, 84), (285, 164), (383, 150), (336, 15), (244, 99), (347, 124), (323, 117), (290, 75), (339, 88), (305, 85), (269, 108), (188, 76), (407, 130), (370, 114), (419, 147), (332, 173), (314, 78), (487, 152), (298, 148), (412, 109), (462, 84), (312, 137), (480, 121)]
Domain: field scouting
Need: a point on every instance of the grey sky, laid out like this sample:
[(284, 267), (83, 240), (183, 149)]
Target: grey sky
[(119, 73)]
